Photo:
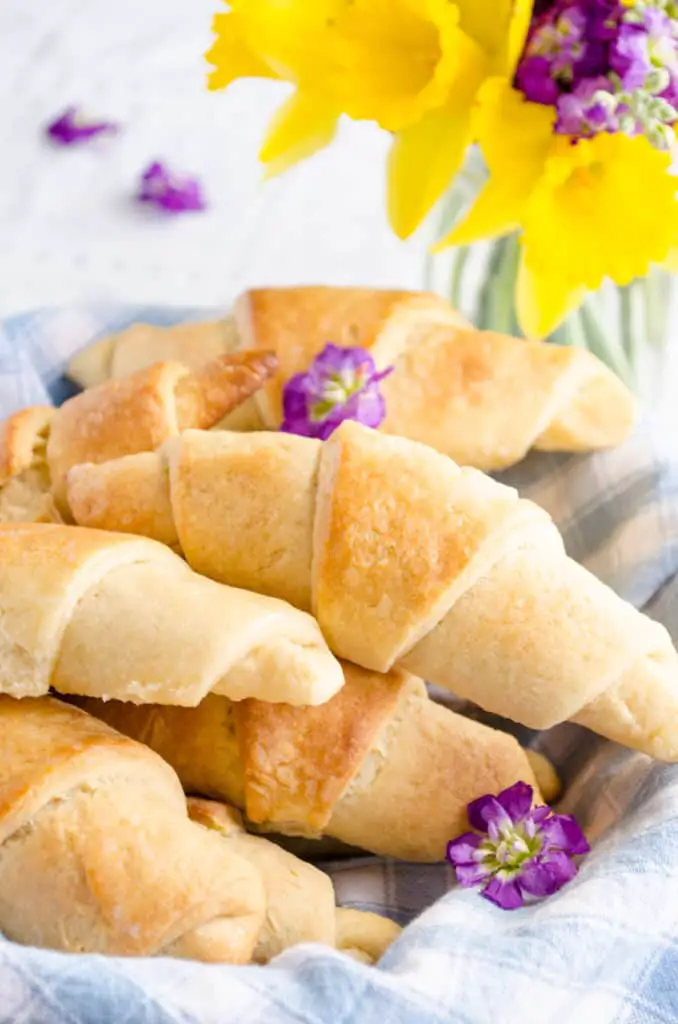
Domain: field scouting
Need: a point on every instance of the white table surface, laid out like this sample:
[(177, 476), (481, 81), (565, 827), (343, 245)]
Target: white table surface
[(69, 231)]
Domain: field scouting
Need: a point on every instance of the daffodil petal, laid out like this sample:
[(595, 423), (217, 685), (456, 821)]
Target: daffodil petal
[(422, 162), (302, 126), (521, 15), (591, 217), (516, 160), (231, 55), (514, 135), (543, 300), (294, 37), (496, 212), (401, 59), (500, 26)]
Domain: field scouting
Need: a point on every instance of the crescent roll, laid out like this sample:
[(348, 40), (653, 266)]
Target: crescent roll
[(39, 445), (406, 559), (97, 853), (139, 346), (300, 903), (25, 487), (380, 767), (484, 399), (109, 615)]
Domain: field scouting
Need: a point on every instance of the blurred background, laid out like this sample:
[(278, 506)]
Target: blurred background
[(69, 228)]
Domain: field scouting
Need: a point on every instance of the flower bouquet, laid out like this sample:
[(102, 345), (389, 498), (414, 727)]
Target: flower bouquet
[(547, 127)]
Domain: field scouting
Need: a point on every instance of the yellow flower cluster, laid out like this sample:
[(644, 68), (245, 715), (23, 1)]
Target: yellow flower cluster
[(437, 75), (413, 66)]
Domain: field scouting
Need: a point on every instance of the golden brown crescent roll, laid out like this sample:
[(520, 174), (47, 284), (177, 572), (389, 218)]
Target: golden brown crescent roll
[(380, 766), (484, 399), (299, 322), (23, 438), (404, 558), (299, 898), (138, 413), (98, 854), (109, 615)]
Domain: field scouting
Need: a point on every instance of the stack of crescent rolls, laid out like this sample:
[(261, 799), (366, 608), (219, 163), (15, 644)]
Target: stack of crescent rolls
[(194, 604)]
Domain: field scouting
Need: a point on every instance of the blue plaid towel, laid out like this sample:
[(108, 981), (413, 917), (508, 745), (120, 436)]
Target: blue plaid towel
[(603, 950)]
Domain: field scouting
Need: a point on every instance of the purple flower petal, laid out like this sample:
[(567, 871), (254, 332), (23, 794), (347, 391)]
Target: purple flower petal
[(367, 407), (335, 359), (533, 78), (630, 56), (470, 875), (517, 800), (167, 191), (545, 875), (462, 849), (295, 397), (562, 832), (487, 811), (585, 110), (506, 895), (71, 128)]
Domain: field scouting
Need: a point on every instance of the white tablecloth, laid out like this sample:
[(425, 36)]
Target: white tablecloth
[(68, 229)]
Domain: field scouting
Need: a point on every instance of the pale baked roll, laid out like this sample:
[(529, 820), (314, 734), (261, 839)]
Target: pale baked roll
[(487, 399), (299, 898), (97, 854), (109, 615), (484, 399), (140, 345), (25, 488), (407, 559), (363, 935)]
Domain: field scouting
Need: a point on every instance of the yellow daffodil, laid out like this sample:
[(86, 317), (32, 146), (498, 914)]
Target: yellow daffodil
[(286, 40), (603, 207), (412, 66)]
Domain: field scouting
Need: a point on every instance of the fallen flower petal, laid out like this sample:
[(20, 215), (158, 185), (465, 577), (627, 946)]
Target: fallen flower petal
[(170, 192), (71, 128)]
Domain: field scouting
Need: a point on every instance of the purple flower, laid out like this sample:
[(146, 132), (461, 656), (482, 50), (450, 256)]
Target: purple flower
[(516, 852), (71, 128), (167, 191), (590, 108), (341, 384)]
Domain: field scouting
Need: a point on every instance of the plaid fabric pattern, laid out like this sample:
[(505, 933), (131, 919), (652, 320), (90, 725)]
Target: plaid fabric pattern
[(602, 951)]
